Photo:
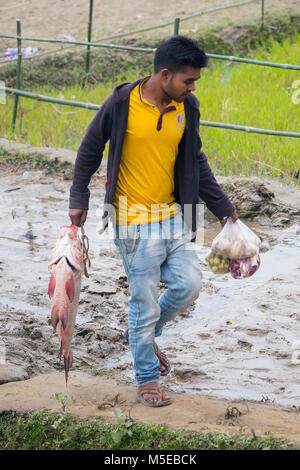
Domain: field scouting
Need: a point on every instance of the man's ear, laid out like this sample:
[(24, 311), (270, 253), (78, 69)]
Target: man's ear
[(165, 75)]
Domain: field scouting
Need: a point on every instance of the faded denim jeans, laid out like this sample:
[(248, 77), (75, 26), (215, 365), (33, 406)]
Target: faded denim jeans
[(150, 253)]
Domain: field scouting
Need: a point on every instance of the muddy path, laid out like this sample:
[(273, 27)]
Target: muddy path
[(238, 341), (100, 396)]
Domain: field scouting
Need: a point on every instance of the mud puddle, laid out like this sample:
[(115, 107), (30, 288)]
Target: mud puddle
[(240, 339), (237, 341)]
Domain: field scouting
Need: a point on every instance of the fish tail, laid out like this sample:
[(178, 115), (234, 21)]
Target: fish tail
[(68, 361)]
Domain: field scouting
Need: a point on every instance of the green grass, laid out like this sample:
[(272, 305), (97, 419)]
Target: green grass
[(237, 93), (254, 96), (42, 431)]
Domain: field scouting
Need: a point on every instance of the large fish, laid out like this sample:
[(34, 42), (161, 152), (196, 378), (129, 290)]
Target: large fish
[(66, 267)]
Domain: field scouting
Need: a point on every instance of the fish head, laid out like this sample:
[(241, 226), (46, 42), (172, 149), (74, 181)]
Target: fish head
[(68, 245)]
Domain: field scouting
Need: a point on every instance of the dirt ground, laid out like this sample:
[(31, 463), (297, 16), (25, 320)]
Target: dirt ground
[(238, 346), (99, 396), (56, 20)]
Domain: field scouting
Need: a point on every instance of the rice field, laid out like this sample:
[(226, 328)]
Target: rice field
[(228, 92), (254, 96)]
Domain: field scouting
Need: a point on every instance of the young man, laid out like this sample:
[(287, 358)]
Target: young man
[(156, 173)]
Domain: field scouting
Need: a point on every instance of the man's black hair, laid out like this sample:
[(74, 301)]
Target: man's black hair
[(178, 52)]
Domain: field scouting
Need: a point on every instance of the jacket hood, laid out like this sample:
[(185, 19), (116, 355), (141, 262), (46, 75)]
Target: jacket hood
[(121, 93)]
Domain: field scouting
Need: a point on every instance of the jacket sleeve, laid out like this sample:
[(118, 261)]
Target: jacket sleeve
[(89, 155), (210, 191)]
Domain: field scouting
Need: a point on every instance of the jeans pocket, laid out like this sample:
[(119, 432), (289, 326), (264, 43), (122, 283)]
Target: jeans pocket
[(131, 238), (127, 241)]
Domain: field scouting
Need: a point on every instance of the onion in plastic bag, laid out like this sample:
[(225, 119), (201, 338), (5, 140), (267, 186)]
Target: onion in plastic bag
[(236, 241), (241, 268)]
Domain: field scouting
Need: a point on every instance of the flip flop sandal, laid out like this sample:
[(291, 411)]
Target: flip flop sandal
[(159, 354), (155, 392), (162, 355)]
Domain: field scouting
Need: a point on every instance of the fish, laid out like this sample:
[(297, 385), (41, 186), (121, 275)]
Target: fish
[(66, 268)]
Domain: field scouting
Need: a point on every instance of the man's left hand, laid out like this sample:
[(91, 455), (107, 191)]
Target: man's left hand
[(234, 217)]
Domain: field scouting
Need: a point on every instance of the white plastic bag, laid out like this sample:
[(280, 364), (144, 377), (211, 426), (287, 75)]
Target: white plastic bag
[(236, 241)]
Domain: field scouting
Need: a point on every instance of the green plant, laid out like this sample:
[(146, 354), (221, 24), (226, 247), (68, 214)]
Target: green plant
[(123, 428), (63, 400), (64, 431)]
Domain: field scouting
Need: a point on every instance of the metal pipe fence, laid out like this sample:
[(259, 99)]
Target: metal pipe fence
[(152, 50), (79, 104), (18, 92)]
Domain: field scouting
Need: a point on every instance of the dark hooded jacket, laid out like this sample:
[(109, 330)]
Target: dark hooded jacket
[(193, 177)]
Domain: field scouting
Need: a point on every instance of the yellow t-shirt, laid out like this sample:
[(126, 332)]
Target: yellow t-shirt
[(145, 188)]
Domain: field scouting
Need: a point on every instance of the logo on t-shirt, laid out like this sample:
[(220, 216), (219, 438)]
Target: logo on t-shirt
[(180, 121)]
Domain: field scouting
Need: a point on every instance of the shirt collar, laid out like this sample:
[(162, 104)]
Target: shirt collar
[(143, 80)]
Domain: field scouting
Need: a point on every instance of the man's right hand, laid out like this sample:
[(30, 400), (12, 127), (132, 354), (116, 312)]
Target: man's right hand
[(78, 216)]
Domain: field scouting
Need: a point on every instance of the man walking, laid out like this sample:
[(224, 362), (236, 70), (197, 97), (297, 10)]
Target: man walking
[(156, 172)]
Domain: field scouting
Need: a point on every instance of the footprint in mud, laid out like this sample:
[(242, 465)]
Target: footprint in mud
[(278, 354), (257, 332), (204, 336), (264, 307), (182, 372), (245, 344)]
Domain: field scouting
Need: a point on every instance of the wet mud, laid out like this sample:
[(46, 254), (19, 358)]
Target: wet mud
[(237, 341)]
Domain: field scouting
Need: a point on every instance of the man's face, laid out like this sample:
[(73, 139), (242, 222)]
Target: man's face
[(180, 84)]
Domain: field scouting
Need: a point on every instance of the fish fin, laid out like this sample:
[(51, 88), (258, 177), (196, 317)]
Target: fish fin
[(70, 289), (68, 361), (54, 318), (52, 284), (64, 320)]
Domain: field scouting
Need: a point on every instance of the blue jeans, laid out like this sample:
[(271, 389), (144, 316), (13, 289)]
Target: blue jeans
[(150, 253)]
